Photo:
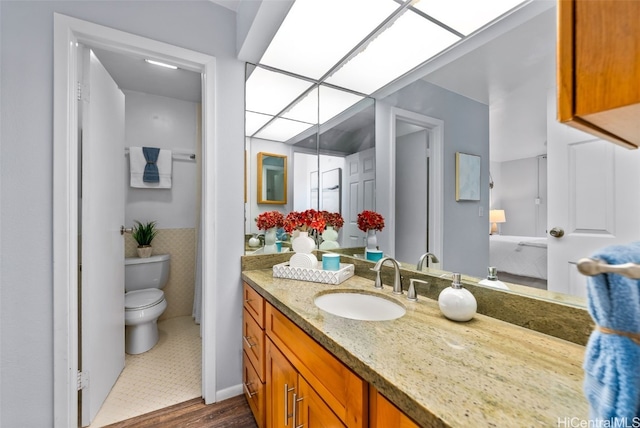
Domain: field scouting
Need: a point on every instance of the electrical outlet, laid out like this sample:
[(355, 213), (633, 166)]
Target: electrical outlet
[(480, 211), (537, 201)]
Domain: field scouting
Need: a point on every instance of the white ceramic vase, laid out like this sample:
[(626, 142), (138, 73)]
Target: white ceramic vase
[(372, 240), (270, 241), (329, 239), (254, 241), (303, 243)]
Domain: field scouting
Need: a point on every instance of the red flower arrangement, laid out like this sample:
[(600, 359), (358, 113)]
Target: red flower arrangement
[(269, 219), (333, 219), (370, 220), (304, 221)]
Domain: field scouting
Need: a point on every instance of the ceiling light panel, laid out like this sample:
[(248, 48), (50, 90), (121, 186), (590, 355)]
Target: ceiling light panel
[(466, 16), (282, 129), (306, 109), (254, 121), (409, 42), (334, 101), (317, 34), (269, 92)]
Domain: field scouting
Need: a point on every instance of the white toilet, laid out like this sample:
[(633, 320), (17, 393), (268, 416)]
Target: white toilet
[(144, 279)]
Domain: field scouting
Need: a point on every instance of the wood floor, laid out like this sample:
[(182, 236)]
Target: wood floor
[(234, 412)]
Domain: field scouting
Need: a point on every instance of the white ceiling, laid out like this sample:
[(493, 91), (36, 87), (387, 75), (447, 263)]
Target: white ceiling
[(512, 74), (131, 73)]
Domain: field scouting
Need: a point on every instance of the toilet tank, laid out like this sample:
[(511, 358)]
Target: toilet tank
[(149, 272)]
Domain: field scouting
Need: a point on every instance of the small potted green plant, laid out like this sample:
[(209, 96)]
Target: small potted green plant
[(144, 234)]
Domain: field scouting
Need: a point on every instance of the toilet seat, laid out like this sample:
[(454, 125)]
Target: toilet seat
[(142, 299)]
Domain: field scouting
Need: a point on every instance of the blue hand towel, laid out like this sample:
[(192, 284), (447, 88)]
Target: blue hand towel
[(612, 360), (151, 174)]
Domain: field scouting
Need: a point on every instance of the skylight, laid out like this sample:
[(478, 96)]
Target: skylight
[(358, 45), (410, 41), (316, 34), (466, 16)]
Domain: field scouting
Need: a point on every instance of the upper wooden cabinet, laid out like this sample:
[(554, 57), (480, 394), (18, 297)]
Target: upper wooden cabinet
[(599, 68)]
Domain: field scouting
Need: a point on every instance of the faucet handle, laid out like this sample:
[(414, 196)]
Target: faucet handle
[(378, 282), (412, 294)]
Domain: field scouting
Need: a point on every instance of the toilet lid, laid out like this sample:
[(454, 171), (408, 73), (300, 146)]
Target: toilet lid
[(142, 299)]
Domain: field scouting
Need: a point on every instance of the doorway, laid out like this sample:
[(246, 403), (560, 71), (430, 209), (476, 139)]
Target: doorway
[(69, 32), (412, 191), (153, 114), (399, 124)]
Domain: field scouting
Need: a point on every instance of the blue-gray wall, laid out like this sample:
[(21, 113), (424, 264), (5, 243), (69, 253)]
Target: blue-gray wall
[(26, 170), (466, 129)]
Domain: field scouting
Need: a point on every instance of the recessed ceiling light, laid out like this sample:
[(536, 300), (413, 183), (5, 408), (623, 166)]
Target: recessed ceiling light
[(161, 64)]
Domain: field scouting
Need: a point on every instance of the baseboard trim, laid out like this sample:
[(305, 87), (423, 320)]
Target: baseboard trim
[(232, 391)]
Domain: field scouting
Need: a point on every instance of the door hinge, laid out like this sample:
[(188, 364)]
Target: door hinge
[(83, 380), (83, 92)]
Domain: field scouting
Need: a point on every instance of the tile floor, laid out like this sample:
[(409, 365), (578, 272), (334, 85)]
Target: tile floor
[(167, 374)]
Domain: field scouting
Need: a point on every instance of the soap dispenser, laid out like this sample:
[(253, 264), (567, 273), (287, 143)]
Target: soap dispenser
[(457, 303), (492, 279)]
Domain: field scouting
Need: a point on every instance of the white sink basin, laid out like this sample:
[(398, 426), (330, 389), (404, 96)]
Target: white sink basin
[(357, 306)]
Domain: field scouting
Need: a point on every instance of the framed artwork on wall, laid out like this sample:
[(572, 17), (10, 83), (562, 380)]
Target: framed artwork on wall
[(467, 177)]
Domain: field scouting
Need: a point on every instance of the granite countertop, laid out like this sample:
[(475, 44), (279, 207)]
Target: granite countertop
[(484, 372)]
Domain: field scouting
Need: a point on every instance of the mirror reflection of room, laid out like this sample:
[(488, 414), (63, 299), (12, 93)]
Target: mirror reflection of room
[(494, 94), (272, 178)]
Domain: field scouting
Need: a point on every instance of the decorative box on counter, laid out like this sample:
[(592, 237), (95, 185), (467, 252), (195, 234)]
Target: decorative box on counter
[(283, 270)]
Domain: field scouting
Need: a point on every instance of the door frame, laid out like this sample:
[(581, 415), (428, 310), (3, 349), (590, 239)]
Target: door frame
[(68, 32), (435, 130)]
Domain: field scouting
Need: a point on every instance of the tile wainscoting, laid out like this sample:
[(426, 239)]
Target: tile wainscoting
[(181, 245)]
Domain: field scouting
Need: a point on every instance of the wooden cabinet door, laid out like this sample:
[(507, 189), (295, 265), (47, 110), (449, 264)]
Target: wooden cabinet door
[(311, 411), (599, 68), (281, 385), (385, 414)]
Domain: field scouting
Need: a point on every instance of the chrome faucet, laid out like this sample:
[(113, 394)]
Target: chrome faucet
[(397, 281), (423, 257)]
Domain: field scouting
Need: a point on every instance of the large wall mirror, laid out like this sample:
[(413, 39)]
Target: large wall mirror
[(272, 178), (495, 97), (322, 135)]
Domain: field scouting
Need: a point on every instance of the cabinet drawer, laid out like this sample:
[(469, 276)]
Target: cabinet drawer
[(254, 303), (254, 390), (253, 343), (343, 391)]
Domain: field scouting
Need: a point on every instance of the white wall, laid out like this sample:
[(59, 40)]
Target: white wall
[(26, 170), (517, 185), (304, 165), (466, 129), (167, 123), (257, 145)]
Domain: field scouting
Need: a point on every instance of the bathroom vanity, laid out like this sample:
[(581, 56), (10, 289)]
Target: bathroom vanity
[(417, 370)]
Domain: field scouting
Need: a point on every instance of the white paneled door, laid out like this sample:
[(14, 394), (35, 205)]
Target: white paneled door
[(102, 245), (360, 188), (594, 201)]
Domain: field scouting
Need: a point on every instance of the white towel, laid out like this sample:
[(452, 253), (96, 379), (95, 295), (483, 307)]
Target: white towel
[(137, 163)]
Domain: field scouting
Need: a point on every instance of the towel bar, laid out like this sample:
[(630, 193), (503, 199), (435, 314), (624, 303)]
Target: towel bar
[(591, 267), (176, 153)]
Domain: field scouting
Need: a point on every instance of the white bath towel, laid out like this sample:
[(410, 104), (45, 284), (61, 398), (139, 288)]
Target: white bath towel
[(137, 163)]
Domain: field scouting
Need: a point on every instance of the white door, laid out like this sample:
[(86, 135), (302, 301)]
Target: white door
[(102, 246), (593, 198), (360, 178)]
